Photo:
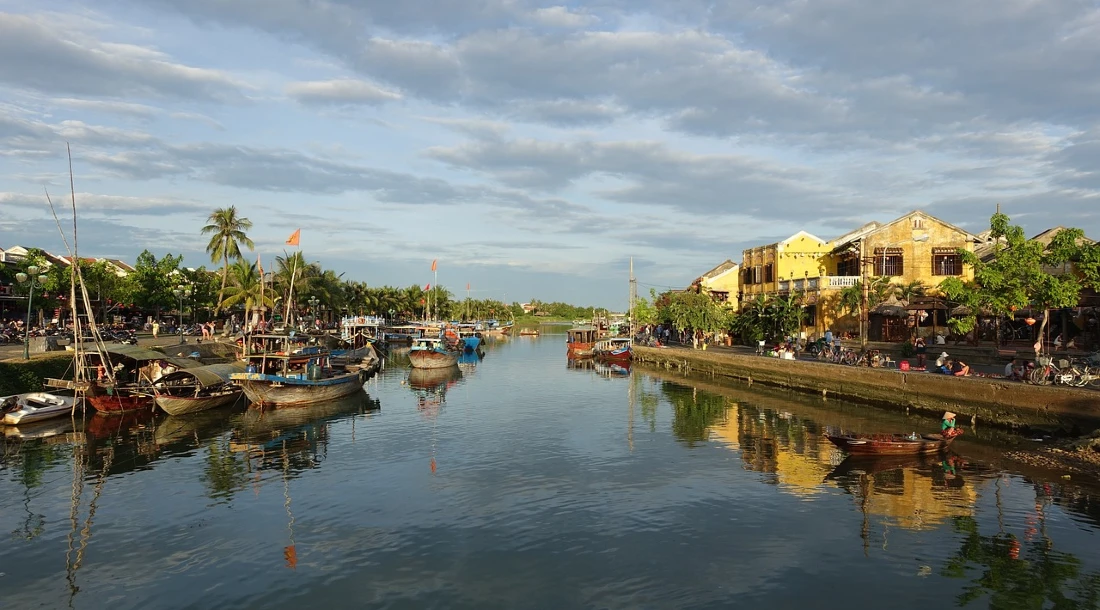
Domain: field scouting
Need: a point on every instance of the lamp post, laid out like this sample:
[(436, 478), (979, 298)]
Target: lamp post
[(313, 301), (181, 292), (34, 279)]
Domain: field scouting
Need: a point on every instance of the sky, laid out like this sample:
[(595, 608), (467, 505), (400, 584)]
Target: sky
[(534, 148)]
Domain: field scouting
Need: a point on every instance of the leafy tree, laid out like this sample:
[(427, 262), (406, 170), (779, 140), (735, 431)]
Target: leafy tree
[(152, 281), (227, 233), (246, 288), (645, 311), (1016, 275)]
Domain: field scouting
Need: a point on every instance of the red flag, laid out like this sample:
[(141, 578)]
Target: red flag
[(427, 287), (434, 264), (467, 285), (294, 238)]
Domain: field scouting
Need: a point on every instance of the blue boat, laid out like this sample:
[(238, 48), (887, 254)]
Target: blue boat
[(470, 335)]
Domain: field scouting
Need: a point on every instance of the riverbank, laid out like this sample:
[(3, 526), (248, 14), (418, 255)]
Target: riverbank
[(996, 402), (19, 376)]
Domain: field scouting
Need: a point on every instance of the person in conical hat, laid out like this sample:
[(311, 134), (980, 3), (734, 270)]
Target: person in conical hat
[(947, 426)]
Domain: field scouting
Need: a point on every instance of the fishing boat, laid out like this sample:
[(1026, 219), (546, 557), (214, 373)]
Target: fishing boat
[(432, 353), (891, 444), (198, 389), (613, 350), (34, 406), (133, 370), (581, 342), (284, 373), (470, 335), (404, 334)]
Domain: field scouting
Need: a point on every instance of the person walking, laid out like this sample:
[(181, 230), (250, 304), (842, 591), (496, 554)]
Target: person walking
[(156, 328)]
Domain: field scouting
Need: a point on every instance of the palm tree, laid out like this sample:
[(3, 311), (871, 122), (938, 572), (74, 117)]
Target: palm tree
[(916, 288), (228, 233), (245, 288)]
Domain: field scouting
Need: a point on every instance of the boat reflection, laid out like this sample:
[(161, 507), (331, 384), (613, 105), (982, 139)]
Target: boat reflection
[(430, 387), (603, 369)]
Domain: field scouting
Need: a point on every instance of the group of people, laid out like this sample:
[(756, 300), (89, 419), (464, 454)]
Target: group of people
[(951, 366)]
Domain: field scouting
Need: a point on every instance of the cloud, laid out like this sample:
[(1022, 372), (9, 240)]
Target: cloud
[(107, 205), (40, 58), (562, 17), (340, 91)]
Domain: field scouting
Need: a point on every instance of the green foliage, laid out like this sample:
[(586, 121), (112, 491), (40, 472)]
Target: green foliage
[(227, 233), (907, 350), (1016, 275), (692, 310), (645, 311), (769, 318), (152, 280), (26, 376)]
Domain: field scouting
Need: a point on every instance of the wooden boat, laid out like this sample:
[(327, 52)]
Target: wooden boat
[(401, 335), (613, 350), (198, 389), (282, 374), (581, 342), (471, 337), (891, 444), (429, 353), (136, 368), (34, 406)]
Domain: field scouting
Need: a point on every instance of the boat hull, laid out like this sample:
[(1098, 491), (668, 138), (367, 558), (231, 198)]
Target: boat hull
[(272, 390), (120, 401), (37, 406), (617, 356), (581, 350), (890, 444), (471, 343), (182, 405), (431, 359)]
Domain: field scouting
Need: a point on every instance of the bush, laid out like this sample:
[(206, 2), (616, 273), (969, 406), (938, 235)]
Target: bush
[(907, 350), (19, 377)]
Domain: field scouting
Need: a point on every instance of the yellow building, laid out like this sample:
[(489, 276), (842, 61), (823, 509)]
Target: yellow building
[(723, 283), (765, 268), (914, 247)]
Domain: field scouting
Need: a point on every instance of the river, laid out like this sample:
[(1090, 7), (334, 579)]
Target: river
[(527, 483)]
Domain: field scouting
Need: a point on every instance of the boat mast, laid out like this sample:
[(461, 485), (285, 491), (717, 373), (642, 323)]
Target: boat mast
[(633, 295)]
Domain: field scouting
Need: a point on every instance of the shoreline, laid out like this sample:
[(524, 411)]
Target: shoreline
[(1001, 403)]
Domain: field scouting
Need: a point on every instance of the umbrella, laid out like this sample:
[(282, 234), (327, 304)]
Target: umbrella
[(892, 311)]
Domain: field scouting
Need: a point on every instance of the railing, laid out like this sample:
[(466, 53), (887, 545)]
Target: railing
[(840, 281)]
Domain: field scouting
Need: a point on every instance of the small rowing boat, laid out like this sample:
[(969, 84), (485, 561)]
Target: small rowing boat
[(891, 444), (34, 406)]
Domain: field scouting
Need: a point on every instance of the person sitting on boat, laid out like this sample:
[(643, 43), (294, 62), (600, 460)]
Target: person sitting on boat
[(947, 426)]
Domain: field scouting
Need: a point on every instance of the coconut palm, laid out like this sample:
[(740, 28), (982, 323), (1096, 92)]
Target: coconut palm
[(227, 234), (245, 288)]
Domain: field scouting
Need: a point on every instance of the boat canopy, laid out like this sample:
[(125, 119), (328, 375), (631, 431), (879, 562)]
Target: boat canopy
[(205, 376), (142, 354)]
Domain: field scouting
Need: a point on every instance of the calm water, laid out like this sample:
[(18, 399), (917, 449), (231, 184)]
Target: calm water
[(524, 483)]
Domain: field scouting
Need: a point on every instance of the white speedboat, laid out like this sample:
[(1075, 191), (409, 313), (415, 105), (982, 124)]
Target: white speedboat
[(34, 406)]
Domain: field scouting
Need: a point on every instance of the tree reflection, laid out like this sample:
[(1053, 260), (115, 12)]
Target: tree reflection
[(35, 460), (1031, 575), (224, 472), (693, 413)]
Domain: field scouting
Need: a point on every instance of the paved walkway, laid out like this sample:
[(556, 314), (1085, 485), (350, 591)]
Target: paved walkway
[(15, 352)]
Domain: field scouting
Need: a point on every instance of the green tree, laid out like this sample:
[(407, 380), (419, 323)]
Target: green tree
[(227, 233), (152, 281), (1016, 275), (246, 288)]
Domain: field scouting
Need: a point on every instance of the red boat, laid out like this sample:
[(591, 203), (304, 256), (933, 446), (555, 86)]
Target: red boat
[(891, 444), (580, 342), (613, 350), (135, 369)]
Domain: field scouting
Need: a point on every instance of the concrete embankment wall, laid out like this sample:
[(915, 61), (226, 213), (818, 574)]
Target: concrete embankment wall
[(991, 401)]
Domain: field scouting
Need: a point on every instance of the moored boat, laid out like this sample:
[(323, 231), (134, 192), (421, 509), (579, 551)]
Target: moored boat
[(283, 375), (431, 353), (891, 444), (34, 406), (581, 342), (613, 350), (198, 389), (134, 369)]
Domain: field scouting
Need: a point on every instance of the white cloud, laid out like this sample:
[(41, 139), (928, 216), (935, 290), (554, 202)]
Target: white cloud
[(562, 17), (340, 91)]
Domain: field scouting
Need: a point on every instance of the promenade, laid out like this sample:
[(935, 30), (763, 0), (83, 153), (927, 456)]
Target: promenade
[(979, 399)]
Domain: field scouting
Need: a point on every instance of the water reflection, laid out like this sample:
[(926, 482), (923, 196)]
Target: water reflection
[(602, 369), (430, 387)]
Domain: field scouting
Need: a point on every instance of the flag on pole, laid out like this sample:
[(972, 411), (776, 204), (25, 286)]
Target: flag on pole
[(434, 261), (427, 287), (294, 238), (467, 286)]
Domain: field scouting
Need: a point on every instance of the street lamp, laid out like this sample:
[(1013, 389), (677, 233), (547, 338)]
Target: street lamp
[(181, 292), (35, 280), (313, 301)]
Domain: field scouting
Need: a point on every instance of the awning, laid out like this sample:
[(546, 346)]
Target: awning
[(141, 354), (206, 376)]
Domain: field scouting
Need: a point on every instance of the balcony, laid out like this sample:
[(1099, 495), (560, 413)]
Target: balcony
[(829, 282), (840, 282)]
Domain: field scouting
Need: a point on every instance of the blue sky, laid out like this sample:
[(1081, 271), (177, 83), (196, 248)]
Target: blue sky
[(534, 147)]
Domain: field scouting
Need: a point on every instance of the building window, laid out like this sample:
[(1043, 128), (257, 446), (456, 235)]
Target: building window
[(946, 262), (847, 267), (918, 223), (768, 273), (889, 262), (756, 274)]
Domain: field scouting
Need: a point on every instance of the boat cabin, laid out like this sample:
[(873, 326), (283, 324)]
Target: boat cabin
[(585, 334), (285, 356)]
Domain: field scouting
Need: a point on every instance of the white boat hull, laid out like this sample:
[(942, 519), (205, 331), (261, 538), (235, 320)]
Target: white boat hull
[(37, 406)]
